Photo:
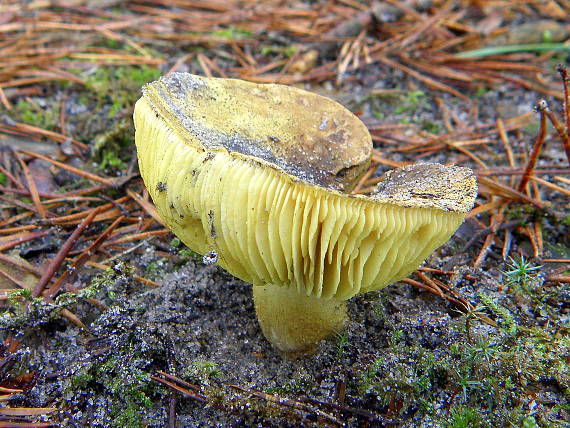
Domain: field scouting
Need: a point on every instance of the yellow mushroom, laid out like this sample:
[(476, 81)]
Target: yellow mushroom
[(259, 175)]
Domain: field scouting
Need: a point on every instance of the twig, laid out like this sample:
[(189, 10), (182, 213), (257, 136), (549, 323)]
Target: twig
[(60, 256), (288, 402), (514, 193), (80, 261), (185, 392), (31, 186), (22, 239), (77, 171)]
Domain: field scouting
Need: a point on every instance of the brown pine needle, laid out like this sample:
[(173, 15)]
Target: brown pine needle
[(51, 134), (20, 264), (136, 277), (145, 205), (24, 238), (542, 108), (566, 102), (83, 214), (562, 133), (62, 253), (138, 236), (365, 177), (32, 187), (562, 179), (512, 192), (70, 316), (529, 229), (185, 392), (434, 84), (14, 280), (18, 228), (551, 185), (26, 411), (69, 168), (80, 261), (484, 208)]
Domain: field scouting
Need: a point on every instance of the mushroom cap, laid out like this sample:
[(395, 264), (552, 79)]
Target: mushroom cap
[(303, 134), (258, 173)]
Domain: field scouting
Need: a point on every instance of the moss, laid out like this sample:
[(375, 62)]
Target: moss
[(463, 417), (113, 92), (81, 380), (430, 126), (203, 368), (296, 386), (272, 50), (30, 112), (111, 149), (411, 101), (366, 377), (342, 343), (484, 383), (232, 33), (524, 213), (36, 312), (506, 320)]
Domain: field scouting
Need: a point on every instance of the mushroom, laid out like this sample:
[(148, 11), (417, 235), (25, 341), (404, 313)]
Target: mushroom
[(260, 175)]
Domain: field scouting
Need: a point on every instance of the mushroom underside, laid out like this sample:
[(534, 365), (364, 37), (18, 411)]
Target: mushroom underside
[(269, 229), (297, 243)]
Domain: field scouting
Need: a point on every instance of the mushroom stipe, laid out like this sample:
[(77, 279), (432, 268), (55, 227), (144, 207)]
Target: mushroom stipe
[(260, 175)]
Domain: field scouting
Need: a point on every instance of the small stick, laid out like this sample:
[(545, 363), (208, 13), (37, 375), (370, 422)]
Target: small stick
[(60, 256), (18, 228), (80, 261), (14, 280), (32, 186), (77, 171), (563, 278), (541, 107), (287, 402), (135, 277), (185, 392), (12, 178), (172, 411), (506, 144), (22, 239), (501, 187), (18, 263), (561, 132), (507, 242), (564, 74)]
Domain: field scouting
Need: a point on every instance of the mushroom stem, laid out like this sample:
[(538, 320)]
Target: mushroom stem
[(292, 321)]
